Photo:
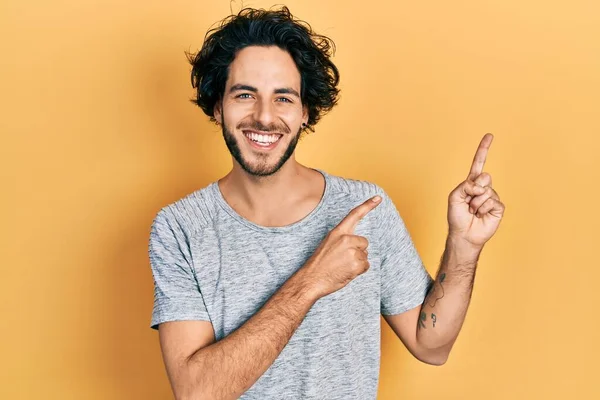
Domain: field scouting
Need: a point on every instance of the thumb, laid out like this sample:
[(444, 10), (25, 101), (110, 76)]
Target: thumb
[(470, 188)]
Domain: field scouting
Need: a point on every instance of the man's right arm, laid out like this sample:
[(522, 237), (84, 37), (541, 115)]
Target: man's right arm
[(200, 368), (227, 368)]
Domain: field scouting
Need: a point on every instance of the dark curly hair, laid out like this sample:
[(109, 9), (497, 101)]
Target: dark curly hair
[(311, 52)]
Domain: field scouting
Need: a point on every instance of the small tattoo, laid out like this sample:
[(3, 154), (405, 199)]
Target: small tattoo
[(442, 278), (422, 319), (434, 318)]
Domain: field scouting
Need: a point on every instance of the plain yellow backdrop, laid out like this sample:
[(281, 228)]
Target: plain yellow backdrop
[(98, 134)]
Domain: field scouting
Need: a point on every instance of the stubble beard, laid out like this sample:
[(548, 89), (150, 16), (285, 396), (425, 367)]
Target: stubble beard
[(261, 167)]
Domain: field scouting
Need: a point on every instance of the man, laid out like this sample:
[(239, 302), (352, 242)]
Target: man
[(270, 282)]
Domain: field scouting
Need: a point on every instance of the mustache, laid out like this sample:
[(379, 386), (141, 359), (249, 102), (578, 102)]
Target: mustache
[(257, 126)]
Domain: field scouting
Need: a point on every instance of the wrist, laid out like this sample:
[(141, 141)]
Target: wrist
[(304, 286), (463, 250)]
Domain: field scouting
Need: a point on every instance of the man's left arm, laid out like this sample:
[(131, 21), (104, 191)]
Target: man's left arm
[(430, 330), (474, 214)]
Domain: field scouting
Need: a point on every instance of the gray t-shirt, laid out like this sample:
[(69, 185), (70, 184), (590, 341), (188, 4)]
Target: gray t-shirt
[(209, 263)]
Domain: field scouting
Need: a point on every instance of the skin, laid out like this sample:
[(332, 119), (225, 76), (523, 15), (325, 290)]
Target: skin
[(269, 188)]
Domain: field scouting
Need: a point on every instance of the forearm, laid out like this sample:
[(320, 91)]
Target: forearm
[(445, 307), (229, 367)]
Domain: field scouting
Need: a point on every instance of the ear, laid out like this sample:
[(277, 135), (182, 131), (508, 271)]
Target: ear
[(217, 111), (305, 114)]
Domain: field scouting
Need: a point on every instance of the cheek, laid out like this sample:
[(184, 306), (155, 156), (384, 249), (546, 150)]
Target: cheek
[(292, 115), (234, 113)]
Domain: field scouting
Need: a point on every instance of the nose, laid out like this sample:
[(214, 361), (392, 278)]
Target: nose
[(264, 112)]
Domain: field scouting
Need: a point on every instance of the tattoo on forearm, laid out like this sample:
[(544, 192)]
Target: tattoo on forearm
[(422, 319), (435, 290)]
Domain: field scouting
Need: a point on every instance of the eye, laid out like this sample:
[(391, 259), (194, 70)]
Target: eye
[(241, 96), (284, 100)]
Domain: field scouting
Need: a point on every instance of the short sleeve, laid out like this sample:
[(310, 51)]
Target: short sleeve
[(404, 279), (177, 295)]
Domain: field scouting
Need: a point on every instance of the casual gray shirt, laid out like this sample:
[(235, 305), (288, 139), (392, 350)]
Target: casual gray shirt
[(209, 263)]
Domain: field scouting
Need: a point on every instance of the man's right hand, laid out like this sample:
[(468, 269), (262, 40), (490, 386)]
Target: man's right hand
[(341, 256)]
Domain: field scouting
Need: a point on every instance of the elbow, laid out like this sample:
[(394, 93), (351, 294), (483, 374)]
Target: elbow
[(434, 356), (193, 385), (200, 395), (186, 393), (189, 391), (195, 391), (189, 394), (184, 387), (436, 361)]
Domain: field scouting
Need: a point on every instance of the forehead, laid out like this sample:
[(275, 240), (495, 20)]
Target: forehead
[(265, 68)]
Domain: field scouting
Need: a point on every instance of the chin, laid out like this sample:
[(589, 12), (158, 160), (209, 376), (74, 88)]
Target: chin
[(260, 169), (259, 163)]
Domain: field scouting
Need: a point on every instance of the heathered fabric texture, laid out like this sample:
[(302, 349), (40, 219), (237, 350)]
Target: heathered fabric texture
[(209, 263)]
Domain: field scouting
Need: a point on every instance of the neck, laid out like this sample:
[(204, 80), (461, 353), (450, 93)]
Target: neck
[(260, 194)]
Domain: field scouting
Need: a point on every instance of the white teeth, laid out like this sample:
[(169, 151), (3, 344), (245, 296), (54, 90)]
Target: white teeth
[(263, 139)]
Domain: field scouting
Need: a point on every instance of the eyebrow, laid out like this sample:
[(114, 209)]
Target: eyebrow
[(249, 88), (287, 91)]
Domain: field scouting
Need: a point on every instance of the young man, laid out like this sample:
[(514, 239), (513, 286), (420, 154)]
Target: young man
[(270, 282)]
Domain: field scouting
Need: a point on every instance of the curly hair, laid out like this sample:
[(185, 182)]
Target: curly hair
[(311, 53)]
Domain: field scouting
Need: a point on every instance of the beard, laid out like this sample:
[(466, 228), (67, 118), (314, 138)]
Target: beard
[(261, 167)]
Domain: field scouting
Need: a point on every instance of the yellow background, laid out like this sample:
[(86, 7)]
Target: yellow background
[(98, 134)]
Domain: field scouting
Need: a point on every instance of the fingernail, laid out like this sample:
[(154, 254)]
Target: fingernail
[(376, 199)]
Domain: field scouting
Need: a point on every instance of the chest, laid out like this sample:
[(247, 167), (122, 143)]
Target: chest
[(239, 270)]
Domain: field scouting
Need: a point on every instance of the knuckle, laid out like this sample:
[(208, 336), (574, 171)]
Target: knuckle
[(357, 211), (484, 179), (364, 242), (355, 265), (366, 266)]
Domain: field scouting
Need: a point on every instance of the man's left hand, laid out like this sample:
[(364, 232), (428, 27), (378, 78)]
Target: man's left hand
[(475, 193)]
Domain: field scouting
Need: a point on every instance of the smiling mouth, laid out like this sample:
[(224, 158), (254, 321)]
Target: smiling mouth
[(267, 140)]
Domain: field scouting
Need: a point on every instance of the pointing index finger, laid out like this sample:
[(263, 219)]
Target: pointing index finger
[(480, 156), (353, 218)]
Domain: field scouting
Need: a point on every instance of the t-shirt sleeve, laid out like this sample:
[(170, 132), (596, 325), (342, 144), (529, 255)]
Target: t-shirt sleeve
[(404, 279), (177, 296)]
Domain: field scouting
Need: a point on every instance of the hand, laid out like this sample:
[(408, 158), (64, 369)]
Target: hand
[(341, 256), (475, 193)]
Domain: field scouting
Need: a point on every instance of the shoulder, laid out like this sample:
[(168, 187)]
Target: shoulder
[(348, 193), (189, 214), (354, 188)]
